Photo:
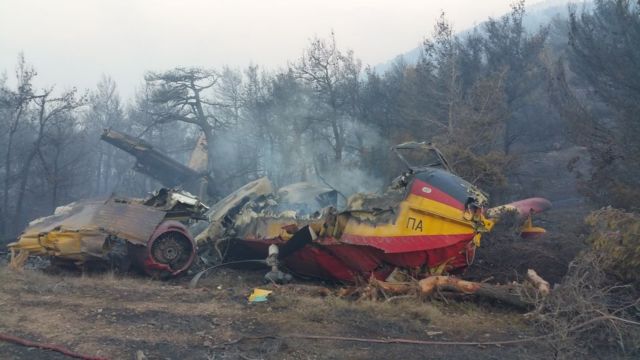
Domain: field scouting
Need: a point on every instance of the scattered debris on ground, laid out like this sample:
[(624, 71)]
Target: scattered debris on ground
[(105, 315)]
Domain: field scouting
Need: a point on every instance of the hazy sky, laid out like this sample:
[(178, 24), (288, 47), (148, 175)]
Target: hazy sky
[(73, 42)]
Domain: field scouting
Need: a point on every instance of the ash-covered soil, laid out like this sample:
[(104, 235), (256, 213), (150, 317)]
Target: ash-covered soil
[(116, 317), (504, 256)]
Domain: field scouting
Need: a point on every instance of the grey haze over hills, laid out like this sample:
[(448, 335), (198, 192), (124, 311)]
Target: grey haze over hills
[(71, 43), (536, 15)]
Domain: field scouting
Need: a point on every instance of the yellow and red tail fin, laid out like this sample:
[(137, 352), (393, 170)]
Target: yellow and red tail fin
[(524, 209)]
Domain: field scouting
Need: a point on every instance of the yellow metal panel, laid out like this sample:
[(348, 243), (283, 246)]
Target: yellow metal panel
[(431, 218)]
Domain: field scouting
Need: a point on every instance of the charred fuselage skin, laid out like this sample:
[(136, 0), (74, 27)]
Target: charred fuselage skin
[(118, 233), (430, 223)]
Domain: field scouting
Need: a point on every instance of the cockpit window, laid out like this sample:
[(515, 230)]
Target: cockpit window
[(419, 155)]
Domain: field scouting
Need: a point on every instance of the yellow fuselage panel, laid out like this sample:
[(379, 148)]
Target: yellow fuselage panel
[(57, 243), (417, 216)]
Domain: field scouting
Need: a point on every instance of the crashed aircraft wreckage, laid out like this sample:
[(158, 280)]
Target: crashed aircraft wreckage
[(146, 234), (429, 222), (169, 172)]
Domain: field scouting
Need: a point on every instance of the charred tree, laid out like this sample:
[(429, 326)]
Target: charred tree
[(334, 78), (185, 95)]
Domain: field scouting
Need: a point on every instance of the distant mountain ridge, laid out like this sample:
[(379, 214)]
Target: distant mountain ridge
[(536, 15)]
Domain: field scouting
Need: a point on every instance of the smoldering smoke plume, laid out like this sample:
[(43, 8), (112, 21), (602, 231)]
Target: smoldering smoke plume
[(287, 156)]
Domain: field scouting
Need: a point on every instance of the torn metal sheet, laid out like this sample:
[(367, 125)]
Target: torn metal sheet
[(177, 204), (118, 232), (161, 167), (430, 221), (229, 207)]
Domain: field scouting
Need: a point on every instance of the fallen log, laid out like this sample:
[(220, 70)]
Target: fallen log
[(521, 295)]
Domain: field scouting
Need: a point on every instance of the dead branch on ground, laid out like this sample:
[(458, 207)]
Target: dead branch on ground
[(590, 312), (521, 295)]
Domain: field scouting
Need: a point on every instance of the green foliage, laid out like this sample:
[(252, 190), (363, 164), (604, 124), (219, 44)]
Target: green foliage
[(487, 171), (589, 314), (615, 236), (601, 100), (466, 94)]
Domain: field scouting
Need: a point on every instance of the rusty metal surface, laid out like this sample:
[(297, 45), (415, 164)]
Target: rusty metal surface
[(74, 216), (133, 222), (93, 244)]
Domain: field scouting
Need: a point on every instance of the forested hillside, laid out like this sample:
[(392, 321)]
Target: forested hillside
[(514, 110), (529, 109)]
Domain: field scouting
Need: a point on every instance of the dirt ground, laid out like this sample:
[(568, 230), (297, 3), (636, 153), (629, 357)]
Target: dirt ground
[(113, 317), (504, 257)]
